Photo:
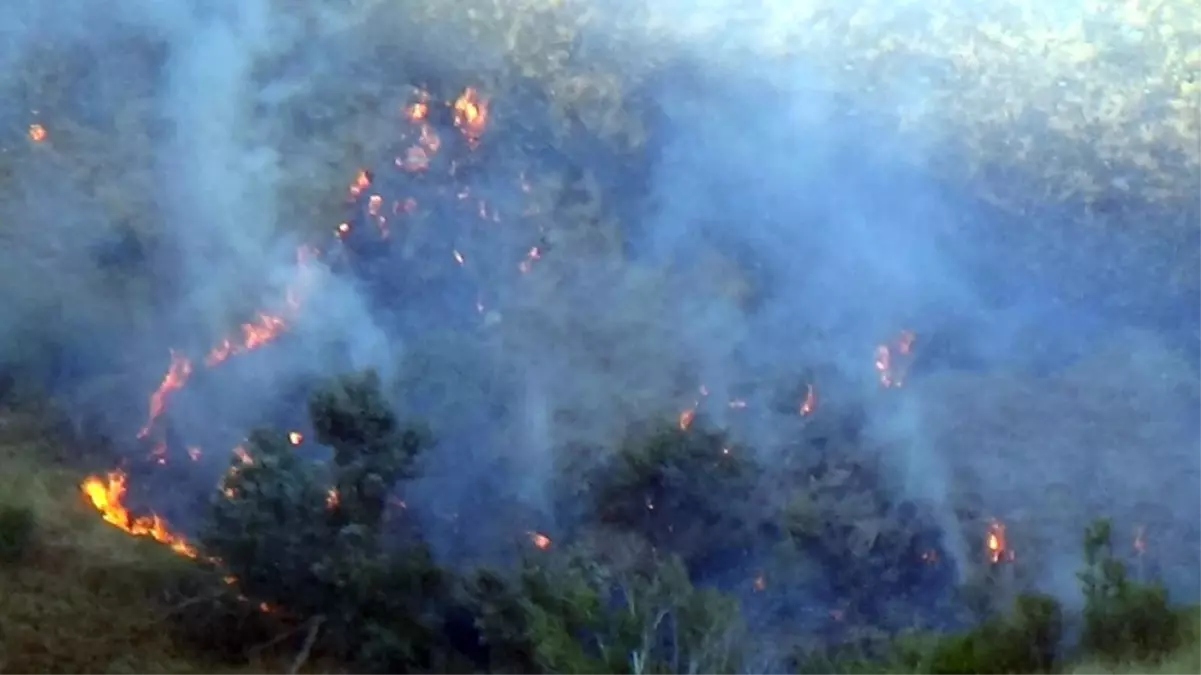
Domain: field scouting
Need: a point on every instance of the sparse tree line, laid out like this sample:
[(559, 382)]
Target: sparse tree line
[(319, 566)]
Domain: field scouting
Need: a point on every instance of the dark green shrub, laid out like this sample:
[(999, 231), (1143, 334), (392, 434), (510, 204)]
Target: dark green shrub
[(18, 526), (1025, 641), (306, 538), (688, 491), (1123, 619)]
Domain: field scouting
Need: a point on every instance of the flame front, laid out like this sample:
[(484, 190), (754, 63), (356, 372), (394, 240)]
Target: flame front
[(107, 493), (37, 133), (176, 377)]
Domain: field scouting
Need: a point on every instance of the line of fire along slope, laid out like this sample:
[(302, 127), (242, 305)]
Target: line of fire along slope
[(371, 211), (469, 115)]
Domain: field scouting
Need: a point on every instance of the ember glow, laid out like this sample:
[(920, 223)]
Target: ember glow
[(893, 359), (809, 402), (471, 114), (539, 540), (996, 546), (255, 334), (37, 133)]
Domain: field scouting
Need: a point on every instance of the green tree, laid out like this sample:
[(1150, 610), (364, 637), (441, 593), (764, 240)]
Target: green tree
[(608, 605), (876, 550), (686, 491), (1123, 619), (306, 538)]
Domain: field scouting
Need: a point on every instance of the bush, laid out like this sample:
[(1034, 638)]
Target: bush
[(17, 530), (689, 492), (306, 538), (1123, 619), (1025, 641), (610, 605)]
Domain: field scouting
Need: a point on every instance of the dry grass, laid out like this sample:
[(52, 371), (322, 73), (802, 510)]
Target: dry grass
[(84, 597)]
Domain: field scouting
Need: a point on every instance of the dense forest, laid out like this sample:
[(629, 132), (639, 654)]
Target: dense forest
[(554, 336)]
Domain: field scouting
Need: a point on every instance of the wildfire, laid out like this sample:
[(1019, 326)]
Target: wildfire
[(37, 133), (417, 112), (686, 417), (995, 543), (809, 402), (1140, 540), (471, 114), (528, 263), (362, 181), (255, 334), (106, 495), (892, 360), (177, 375)]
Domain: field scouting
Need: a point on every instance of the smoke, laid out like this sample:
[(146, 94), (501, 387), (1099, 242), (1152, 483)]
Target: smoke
[(777, 227)]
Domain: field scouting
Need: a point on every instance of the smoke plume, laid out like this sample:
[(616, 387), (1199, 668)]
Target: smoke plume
[(762, 226)]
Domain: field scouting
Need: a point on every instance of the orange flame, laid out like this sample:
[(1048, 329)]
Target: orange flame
[(106, 495), (37, 133), (331, 498), (295, 437), (255, 334), (539, 540), (471, 114), (418, 111), (686, 417), (177, 375), (996, 544), (362, 181)]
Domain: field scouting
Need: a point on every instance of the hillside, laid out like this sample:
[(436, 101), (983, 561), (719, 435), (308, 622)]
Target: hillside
[(80, 596), (599, 336)]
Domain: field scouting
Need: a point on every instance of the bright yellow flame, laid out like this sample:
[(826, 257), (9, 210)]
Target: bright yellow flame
[(106, 495)]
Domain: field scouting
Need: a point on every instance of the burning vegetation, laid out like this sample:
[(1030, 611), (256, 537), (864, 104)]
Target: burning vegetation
[(325, 527)]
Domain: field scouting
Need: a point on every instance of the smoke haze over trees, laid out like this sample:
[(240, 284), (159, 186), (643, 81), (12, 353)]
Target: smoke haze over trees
[(787, 318)]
